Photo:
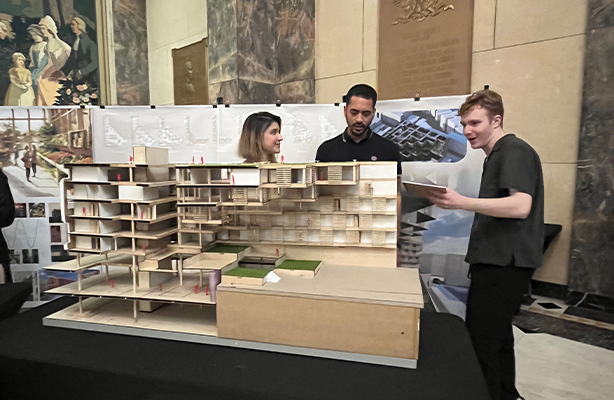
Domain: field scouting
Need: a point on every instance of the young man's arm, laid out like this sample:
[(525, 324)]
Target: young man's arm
[(516, 205)]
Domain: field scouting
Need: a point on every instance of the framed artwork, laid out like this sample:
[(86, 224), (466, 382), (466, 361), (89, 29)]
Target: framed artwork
[(190, 76)]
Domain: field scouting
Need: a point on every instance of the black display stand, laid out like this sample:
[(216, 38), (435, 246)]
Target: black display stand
[(52, 363)]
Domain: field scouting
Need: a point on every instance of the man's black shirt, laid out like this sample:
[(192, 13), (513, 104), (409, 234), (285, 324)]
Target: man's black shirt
[(373, 148), (512, 165)]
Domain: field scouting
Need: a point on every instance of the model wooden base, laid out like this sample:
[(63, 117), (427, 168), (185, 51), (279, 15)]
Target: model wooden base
[(190, 323), (341, 309)]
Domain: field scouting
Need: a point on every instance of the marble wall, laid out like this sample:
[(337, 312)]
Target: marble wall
[(532, 52), (346, 47), (222, 25), (592, 243), (171, 25), (131, 55), (262, 51)]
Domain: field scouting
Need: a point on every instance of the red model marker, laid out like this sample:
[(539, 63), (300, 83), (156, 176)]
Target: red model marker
[(196, 289), (233, 179), (160, 285), (131, 158), (83, 210), (192, 159), (141, 214), (119, 177), (282, 158), (143, 247), (207, 290), (202, 160), (112, 282), (277, 252)]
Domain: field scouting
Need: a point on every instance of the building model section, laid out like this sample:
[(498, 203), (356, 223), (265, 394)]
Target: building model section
[(242, 255)]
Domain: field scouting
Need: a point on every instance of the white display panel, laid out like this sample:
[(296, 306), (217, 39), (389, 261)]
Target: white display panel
[(208, 134), (186, 131)]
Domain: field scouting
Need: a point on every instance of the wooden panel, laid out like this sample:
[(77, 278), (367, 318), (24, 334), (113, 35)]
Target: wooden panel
[(323, 324), (424, 50)]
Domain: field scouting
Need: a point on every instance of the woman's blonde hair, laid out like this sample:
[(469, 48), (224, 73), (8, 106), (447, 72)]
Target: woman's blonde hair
[(250, 143)]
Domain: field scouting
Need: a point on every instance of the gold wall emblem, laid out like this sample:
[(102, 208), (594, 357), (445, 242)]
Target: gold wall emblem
[(419, 10)]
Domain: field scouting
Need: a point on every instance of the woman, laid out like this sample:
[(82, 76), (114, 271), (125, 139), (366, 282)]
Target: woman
[(20, 91), (34, 160), (27, 162), (38, 59), (260, 138), (57, 52)]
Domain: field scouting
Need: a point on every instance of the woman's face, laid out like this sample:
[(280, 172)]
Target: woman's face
[(271, 139), (20, 62), (46, 32), (35, 37)]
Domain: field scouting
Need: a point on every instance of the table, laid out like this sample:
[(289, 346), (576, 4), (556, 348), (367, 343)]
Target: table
[(53, 363)]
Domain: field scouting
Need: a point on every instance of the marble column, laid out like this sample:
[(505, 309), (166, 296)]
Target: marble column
[(262, 51), (591, 266), (131, 63)]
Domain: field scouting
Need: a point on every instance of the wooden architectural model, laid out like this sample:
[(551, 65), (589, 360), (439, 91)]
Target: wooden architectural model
[(262, 250)]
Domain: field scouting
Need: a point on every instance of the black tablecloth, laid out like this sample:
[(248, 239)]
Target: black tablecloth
[(12, 297), (41, 362)]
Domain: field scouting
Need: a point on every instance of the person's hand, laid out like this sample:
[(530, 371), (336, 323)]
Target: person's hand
[(448, 199)]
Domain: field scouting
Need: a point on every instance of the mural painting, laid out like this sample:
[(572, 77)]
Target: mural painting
[(48, 53)]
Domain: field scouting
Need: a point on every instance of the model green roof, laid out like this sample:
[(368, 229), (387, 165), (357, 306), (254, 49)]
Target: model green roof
[(303, 265), (247, 272)]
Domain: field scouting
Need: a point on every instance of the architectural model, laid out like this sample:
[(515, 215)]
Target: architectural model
[(242, 255)]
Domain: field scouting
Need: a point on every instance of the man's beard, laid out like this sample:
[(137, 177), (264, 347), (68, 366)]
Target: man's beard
[(361, 132)]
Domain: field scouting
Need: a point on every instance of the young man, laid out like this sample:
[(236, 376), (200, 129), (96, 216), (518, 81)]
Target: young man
[(506, 242), (358, 142)]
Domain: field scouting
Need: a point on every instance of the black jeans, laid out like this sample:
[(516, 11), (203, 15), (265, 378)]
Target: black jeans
[(495, 296)]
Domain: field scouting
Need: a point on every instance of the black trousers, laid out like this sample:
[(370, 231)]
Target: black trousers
[(5, 262), (495, 296)]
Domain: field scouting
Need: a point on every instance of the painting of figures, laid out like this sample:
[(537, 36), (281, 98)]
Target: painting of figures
[(48, 53)]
